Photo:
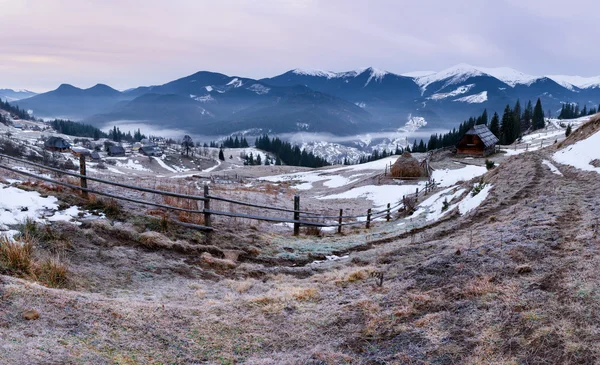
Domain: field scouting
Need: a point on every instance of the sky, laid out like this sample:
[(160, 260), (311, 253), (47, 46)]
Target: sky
[(127, 43)]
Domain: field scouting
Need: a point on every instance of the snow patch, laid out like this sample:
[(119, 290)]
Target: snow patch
[(581, 154), (235, 82), (474, 99), (553, 168), (447, 177)]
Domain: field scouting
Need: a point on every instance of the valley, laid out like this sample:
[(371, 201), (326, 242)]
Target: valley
[(478, 271)]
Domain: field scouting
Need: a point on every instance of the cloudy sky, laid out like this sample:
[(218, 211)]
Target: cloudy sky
[(127, 43)]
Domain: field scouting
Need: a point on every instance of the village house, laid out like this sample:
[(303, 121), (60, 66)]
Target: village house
[(149, 150), (116, 151), (478, 141), (57, 144)]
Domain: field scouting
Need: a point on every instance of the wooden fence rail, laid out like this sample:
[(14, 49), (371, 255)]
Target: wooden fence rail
[(300, 218)]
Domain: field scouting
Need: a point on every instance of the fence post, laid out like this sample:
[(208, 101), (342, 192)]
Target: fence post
[(296, 215), (83, 180), (206, 206), (340, 221), (388, 217), (369, 218), (417, 193)]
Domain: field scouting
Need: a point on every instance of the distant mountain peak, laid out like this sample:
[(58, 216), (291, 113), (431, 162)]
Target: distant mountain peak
[(314, 72), (374, 73), (452, 75)]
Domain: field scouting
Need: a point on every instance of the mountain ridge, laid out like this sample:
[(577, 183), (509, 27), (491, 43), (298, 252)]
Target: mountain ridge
[(359, 100)]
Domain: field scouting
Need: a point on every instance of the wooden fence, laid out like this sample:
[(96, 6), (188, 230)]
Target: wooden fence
[(297, 216)]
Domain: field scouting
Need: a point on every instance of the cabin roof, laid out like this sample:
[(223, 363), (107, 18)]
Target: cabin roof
[(57, 142), (483, 132), (116, 149)]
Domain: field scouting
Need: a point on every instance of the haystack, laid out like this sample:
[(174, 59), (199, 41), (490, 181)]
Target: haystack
[(407, 166)]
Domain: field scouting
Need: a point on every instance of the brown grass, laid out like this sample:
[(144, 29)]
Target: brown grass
[(16, 256), (53, 273)]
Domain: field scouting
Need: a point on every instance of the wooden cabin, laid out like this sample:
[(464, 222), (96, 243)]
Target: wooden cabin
[(149, 151), (116, 151), (57, 144), (478, 141), (80, 151)]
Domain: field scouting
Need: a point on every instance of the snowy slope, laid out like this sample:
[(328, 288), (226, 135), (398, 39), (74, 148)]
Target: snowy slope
[(578, 81), (581, 154)]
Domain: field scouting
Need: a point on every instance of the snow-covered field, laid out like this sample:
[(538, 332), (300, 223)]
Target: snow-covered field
[(581, 154)]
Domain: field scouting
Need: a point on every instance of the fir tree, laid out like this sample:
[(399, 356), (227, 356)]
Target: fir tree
[(568, 131), (495, 125), (221, 154), (537, 120), (507, 127)]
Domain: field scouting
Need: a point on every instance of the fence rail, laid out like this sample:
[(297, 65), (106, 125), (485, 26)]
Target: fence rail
[(300, 217)]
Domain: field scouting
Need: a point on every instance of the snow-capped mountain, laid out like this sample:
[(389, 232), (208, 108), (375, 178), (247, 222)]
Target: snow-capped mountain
[(344, 103), (14, 95)]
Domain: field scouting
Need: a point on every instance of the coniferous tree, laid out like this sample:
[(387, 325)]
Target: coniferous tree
[(221, 154), (527, 115), (568, 131), (537, 120), (495, 125), (507, 127), (517, 116), (187, 144)]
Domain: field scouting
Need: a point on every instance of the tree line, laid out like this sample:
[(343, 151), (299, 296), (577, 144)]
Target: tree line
[(116, 135), (234, 143), (289, 154), (572, 111), (15, 110), (77, 129)]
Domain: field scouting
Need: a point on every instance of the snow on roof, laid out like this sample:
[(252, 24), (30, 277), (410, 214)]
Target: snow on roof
[(483, 132)]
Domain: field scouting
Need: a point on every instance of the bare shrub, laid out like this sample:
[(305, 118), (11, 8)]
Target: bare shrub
[(313, 231)]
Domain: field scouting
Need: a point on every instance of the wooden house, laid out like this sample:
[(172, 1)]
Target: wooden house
[(478, 141), (149, 150), (57, 144), (80, 151), (96, 156), (116, 151)]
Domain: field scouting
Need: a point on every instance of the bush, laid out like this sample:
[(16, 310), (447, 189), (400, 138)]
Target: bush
[(477, 188), (489, 164), (445, 205)]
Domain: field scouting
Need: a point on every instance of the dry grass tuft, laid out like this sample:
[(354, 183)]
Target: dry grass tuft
[(313, 231), (241, 286), (480, 286), (305, 294), (53, 273), (16, 256), (209, 259)]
